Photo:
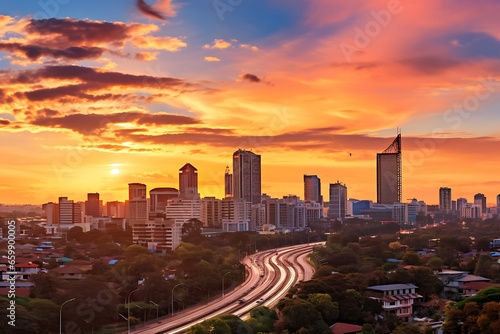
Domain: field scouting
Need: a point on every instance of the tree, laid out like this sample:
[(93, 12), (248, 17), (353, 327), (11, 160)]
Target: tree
[(483, 265), (212, 326), (262, 319), (435, 263), (428, 283), (45, 285), (471, 314), (453, 317), (323, 303), (46, 313), (411, 258), (236, 325), (407, 328), (75, 233), (298, 313)]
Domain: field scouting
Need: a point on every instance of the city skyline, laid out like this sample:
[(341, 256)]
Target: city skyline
[(314, 87)]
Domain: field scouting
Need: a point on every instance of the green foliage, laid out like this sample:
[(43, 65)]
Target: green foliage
[(435, 263), (323, 303), (491, 294), (407, 328), (483, 265), (411, 258), (45, 285), (262, 319), (298, 313), (210, 326)]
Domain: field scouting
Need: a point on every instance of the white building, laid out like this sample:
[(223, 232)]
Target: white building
[(211, 212), (182, 210), (137, 205), (236, 214), (258, 217), (397, 299), (158, 234)]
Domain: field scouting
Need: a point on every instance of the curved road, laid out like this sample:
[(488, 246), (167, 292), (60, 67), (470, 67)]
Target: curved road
[(270, 275)]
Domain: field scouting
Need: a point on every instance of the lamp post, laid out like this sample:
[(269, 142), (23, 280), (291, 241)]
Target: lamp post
[(173, 296), (128, 308), (60, 314), (223, 282), (157, 306)]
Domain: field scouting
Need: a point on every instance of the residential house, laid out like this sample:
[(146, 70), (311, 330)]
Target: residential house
[(397, 299), (68, 272)]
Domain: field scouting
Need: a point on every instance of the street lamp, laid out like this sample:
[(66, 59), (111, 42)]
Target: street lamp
[(128, 308), (152, 302), (173, 296), (223, 282), (60, 314)]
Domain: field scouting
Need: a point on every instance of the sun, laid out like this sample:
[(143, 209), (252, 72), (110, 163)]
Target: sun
[(115, 171)]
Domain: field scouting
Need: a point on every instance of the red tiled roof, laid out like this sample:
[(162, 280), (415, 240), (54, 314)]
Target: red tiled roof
[(67, 270), (401, 297), (478, 285), (343, 328), (26, 265)]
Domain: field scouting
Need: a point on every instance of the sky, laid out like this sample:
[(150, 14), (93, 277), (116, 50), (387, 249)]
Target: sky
[(95, 95)]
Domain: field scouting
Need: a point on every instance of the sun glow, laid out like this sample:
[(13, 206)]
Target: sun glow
[(115, 171)]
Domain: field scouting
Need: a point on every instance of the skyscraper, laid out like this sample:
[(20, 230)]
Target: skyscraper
[(480, 199), (247, 176), (228, 183), (188, 182), (137, 204), (389, 182), (312, 188), (445, 199), (337, 207), (93, 205), (498, 201)]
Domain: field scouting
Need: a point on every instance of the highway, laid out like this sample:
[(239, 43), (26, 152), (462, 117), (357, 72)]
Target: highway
[(270, 274)]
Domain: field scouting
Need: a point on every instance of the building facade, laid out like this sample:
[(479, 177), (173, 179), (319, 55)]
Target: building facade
[(389, 175), (312, 188), (247, 176), (337, 207), (137, 205), (397, 299), (93, 205), (445, 199), (188, 182)]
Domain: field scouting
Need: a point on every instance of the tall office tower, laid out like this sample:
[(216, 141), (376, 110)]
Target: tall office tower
[(247, 176), (389, 182), (188, 182), (312, 188), (337, 207), (453, 205), (498, 201), (445, 199), (480, 199), (136, 191), (66, 208), (461, 202), (93, 205), (137, 204), (228, 183)]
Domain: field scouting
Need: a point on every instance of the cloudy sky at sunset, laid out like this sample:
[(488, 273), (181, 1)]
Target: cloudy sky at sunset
[(97, 94)]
